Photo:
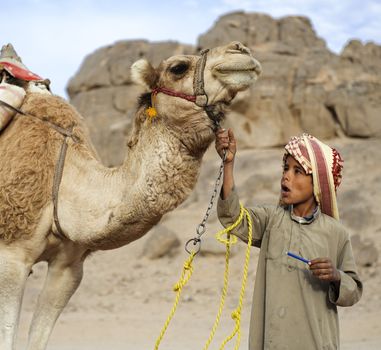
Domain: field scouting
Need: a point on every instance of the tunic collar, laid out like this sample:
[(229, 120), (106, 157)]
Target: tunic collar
[(304, 220)]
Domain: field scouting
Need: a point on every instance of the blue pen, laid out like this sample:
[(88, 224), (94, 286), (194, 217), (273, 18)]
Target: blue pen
[(298, 257)]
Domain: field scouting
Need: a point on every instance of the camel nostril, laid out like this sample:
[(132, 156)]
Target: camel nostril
[(244, 49), (238, 47)]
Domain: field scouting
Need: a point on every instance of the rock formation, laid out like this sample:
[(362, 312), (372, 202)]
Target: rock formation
[(304, 86)]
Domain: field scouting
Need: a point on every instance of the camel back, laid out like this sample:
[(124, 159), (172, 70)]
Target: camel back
[(29, 150)]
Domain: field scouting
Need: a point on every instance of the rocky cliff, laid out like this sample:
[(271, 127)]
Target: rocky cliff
[(304, 86)]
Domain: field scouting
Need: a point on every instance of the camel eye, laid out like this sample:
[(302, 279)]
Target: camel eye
[(180, 68)]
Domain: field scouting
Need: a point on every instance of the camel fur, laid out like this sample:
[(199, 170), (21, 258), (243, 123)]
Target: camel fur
[(98, 207), (29, 151)]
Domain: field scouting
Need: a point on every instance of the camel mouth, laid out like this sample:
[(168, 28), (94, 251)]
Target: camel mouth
[(229, 69), (239, 73), (246, 66)]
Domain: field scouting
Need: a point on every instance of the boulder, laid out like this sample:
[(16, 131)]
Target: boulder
[(161, 242), (365, 252)]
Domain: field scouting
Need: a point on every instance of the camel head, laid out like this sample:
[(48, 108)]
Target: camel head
[(191, 93)]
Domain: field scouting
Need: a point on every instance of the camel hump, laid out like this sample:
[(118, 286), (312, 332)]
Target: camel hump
[(11, 63)]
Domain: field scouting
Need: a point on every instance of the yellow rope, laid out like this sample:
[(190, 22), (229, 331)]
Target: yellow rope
[(184, 278), (187, 273), (228, 241), (236, 314)]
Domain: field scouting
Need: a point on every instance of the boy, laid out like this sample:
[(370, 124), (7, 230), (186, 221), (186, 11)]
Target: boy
[(295, 302)]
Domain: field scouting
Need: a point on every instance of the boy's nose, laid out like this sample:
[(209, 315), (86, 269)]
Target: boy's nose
[(286, 175)]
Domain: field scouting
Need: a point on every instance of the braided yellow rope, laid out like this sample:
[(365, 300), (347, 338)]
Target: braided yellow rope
[(236, 314), (228, 241), (187, 273), (184, 278)]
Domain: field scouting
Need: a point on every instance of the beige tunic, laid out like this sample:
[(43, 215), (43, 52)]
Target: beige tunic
[(292, 309)]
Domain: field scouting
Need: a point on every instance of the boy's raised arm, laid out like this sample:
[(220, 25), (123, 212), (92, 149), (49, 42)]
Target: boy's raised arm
[(226, 143)]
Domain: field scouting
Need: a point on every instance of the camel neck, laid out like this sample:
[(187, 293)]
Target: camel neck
[(125, 202), (164, 171)]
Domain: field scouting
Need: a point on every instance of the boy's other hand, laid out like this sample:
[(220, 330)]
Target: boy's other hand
[(325, 270)]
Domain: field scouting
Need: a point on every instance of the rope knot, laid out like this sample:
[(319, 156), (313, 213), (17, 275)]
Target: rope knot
[(235, 315), (177, 286), (229, 238), (188, 265)]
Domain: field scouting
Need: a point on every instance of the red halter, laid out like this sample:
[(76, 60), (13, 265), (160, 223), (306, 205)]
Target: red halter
[(200, 98), (169, 92)]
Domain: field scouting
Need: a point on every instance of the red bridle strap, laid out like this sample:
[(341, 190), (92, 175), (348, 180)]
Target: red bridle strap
[(169, 92)]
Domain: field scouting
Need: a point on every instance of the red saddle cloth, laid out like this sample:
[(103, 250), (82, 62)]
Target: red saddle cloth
[(18, 70)]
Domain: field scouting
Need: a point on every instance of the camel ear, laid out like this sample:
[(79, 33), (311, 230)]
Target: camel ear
[(142, 73)]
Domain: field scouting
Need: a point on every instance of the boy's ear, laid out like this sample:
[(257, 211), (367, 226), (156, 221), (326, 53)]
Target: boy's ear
[(142, 73)]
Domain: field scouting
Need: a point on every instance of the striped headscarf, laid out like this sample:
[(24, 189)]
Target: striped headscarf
[(324, 163)]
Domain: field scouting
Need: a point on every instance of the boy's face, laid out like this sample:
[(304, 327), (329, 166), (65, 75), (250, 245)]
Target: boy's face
[(296, 185)]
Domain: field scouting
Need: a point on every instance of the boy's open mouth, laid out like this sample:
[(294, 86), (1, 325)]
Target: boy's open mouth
[(285, 188)]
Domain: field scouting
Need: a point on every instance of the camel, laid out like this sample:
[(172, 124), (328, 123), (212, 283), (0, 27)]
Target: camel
[(100, 208)]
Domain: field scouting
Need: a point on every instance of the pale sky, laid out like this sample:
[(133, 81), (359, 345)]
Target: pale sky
[(53, 37)]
